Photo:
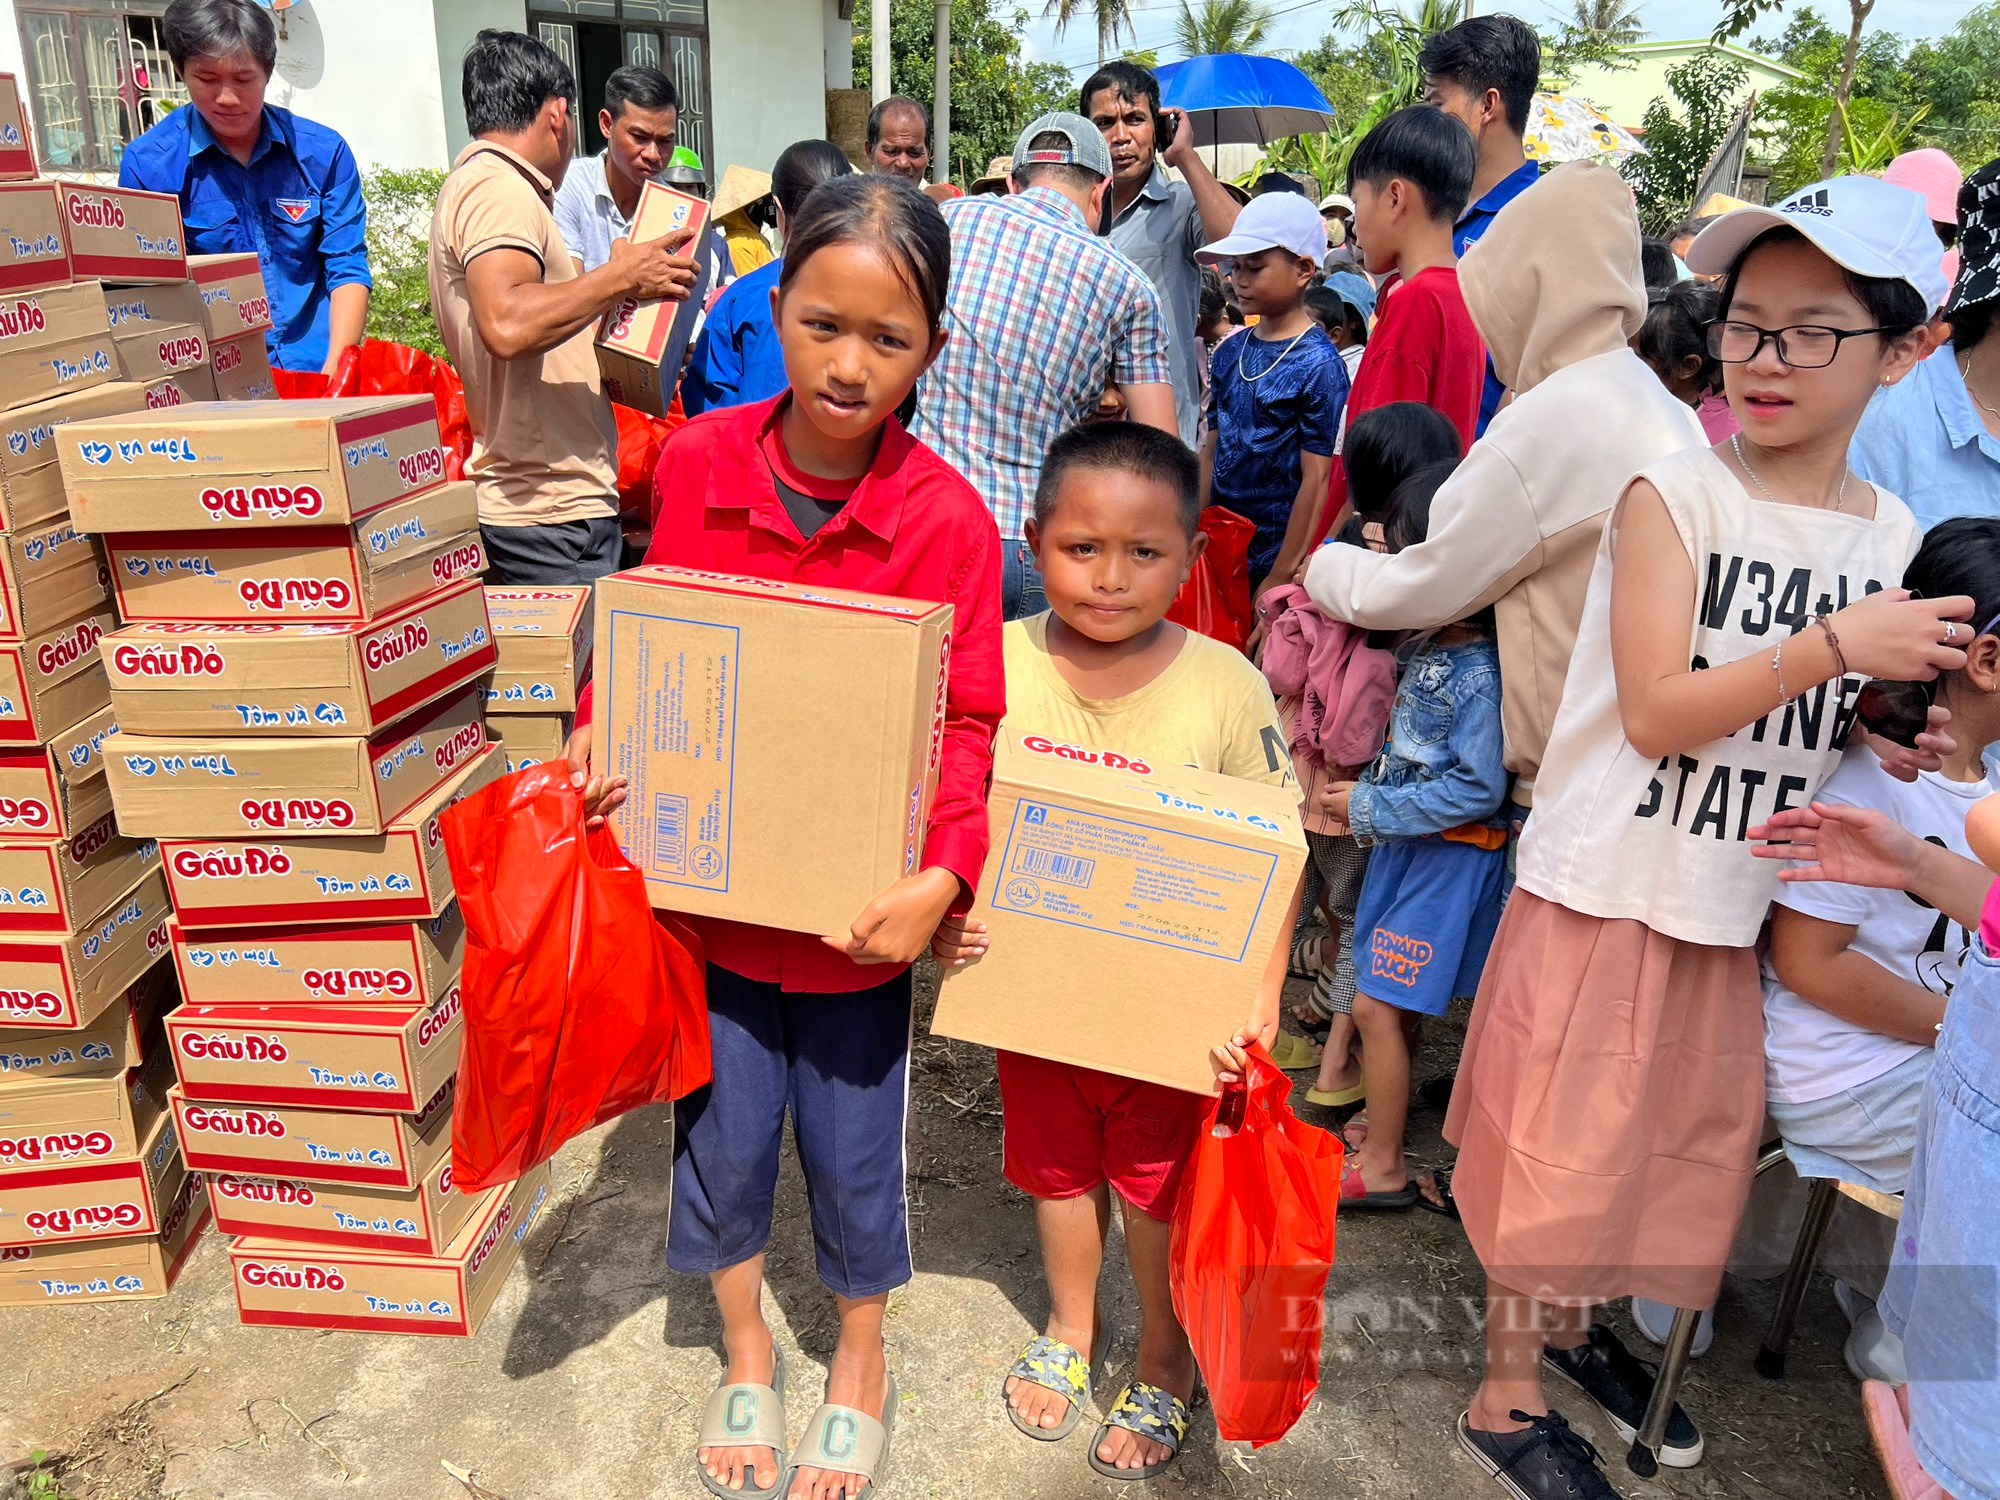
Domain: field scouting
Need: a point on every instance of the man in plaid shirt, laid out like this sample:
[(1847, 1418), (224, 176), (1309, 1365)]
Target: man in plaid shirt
[(1045, 317)]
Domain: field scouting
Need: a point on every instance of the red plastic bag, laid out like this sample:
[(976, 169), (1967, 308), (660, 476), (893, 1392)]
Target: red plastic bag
[(579, 1005), (377, 367), (1251, 1246), (1215, 601), (639, 440)]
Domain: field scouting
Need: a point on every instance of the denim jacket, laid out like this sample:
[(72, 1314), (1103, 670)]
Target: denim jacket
[(1443, 765)]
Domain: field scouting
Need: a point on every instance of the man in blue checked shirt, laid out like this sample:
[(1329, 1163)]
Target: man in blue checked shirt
[(253, 177)]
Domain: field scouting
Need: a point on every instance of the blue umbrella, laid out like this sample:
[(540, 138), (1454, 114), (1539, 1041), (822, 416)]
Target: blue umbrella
[(1236, 98)]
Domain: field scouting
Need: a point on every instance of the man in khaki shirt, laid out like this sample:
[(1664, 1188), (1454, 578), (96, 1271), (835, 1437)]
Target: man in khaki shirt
[(518, 321)]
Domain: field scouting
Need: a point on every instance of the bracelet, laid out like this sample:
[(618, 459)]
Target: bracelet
[(1825, 622), (1778, 667)]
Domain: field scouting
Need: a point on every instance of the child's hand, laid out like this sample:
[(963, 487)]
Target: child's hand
[(898, 925), (1907, 762), (958, 941), (1838, 842), (1231, 1060), (1890, 635), (1333, 799), (601, 794)]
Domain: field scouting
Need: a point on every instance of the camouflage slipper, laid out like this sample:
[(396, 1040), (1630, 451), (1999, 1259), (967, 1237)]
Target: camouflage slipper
[(1152, 1413)]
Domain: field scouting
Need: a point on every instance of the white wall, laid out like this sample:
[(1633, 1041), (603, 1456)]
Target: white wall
[(369, 69), (457, 23), (767, 61), (839, 48)]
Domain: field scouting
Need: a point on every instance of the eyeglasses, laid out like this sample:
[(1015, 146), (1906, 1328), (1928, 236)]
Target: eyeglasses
[(1805, 346)]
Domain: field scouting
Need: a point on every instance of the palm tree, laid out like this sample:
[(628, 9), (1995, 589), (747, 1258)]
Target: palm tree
[(1111, 17), (1613, 22), (1222, 26)]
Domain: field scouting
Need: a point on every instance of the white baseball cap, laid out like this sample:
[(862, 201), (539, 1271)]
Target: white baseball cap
[(1866, 225), (1278, 221), (1337, 200)]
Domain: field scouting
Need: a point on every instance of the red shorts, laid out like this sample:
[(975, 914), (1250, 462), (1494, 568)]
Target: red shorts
[(1070, 1128)]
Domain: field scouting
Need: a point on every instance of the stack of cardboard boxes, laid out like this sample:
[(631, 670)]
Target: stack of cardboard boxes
[(298, 695), (544, 639)]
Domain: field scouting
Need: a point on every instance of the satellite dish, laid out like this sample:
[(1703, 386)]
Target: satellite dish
[(279, 5)]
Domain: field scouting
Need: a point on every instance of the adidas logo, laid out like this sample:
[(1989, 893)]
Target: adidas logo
[(1808, 203)]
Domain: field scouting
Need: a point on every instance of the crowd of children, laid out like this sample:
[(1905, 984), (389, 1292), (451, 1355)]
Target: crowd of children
[(1541, 695)]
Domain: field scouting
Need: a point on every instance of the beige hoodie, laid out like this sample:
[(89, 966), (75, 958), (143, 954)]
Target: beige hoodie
[(1555, 288)]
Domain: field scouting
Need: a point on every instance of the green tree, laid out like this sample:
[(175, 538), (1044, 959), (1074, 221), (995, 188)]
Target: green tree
[(994, 91), (400, 204), (1615, 22), (1221, 26), (1680, 141), (1108, 17)]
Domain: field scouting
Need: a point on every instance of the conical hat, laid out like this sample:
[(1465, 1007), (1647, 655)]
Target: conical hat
[(741, 187)]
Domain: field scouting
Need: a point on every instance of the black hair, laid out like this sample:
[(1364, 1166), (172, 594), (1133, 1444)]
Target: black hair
[(1694, 226), (1892, 304), (1960, 556), (648, 88), (1676, 326), (1123, 448), (219, 28), (1407, 521), (1214, 306), (803, 166), (1488, 52), (1656, 262), (1969, 325), (1425, 146), (508, 76), (1334, 311), (1387, 445), (894, 104), (1129, 82), (1276, 182), (1029, 174)]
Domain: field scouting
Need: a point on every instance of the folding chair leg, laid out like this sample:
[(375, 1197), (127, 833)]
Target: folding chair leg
[(1644, 1457), (1805, 1255)]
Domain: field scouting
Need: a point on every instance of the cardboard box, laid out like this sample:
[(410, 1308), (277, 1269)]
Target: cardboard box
[(280, 1285), (544, 638), (54, 678), (641, 346), (52, 315), (241, 368), (356, 572), (529, 739), (250, 464), (198, 788), (17, 145), (340, 679), (30, 374), (153, 351), (46, 1122), (231, 288), (395, 1152), (398, 876), (60, 885), (65, 982), (48, 575), (127, 1270), (128, 307), (372, 1059), (122, 234), (121, 1039), (31, 483), (191, 387), (1133, 910), (421, 1221), (33, 252), (388, 963), (708, 688), (56, 790), (94, 1200)]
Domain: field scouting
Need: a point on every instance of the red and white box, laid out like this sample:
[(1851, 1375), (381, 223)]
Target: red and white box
[(33, 252), (65, 981), (93, 1200), (125, 1270), (53, 679), (17, 142), (49, 574), (398, 1153), (241, 369), (367, 963), (58, 885), (233, 297), (56, 790), (122, 234), (418, 1221)]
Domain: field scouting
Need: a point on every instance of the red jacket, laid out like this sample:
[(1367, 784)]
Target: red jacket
[(914, 528)]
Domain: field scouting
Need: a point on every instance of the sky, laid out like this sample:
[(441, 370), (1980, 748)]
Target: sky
[(1301, 23)]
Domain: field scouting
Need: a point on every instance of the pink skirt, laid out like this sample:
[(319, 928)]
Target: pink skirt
[(1608, 1108)]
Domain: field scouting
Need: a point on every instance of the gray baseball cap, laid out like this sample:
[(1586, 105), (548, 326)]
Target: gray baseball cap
[(1086, 144)]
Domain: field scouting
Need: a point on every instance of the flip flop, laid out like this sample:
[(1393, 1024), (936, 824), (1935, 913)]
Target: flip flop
[(1153, 1413), (1058, 1367), (842, 1440), (1338, 1098), (1292, 1052), (1441, 1180), (1354, 1195), (745, 1416)]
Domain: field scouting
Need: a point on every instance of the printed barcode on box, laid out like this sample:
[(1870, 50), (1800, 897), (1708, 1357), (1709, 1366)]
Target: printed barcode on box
[(670, 821), (1046, 864)]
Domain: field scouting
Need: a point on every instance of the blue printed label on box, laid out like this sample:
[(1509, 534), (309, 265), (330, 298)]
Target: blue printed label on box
[(678, 746)]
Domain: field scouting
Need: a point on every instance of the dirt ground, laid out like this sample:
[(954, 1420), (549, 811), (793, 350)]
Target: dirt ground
[(589, 1375)]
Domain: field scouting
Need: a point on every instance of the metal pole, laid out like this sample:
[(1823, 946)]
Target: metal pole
[(941, 97), (878, 39)]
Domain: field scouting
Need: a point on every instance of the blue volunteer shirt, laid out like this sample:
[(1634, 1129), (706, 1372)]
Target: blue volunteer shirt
[(1471, 225), (737, 359), (297, 206)]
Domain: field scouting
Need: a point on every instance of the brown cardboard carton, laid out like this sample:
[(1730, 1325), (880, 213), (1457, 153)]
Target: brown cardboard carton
[(530, 739), (641, 346), (544, 638), (387, 963), (54, 678), (59, 885), (191, 387), (110, 1047), (338, 1146), (56, 790), (122, 234), (154, 351), (398, 876), (196, 788), (31, 484), (338, 679), (17, 144), (46, 1122), (126, 1270), (280, 1285), (49, 574), (33, 252), (94, 1200), (233, 298), (52, 315), (250, 464), (356, 572), (168, 303), (707, 688), (419, 1221), (64, 982), (1133, 910), (373, 1059), (241, 369), (33, 373)]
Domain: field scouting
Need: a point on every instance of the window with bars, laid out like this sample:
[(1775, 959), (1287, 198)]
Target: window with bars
[(597, 36), (98, 77)]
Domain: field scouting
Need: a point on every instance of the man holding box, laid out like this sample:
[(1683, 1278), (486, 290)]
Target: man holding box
[(518, 318)]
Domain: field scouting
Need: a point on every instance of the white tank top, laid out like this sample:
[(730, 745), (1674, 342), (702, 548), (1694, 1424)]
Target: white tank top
[(1618, 834)]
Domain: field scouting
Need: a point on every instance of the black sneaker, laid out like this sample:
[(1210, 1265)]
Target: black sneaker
[(1621, 1384), (1547, 1460)]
